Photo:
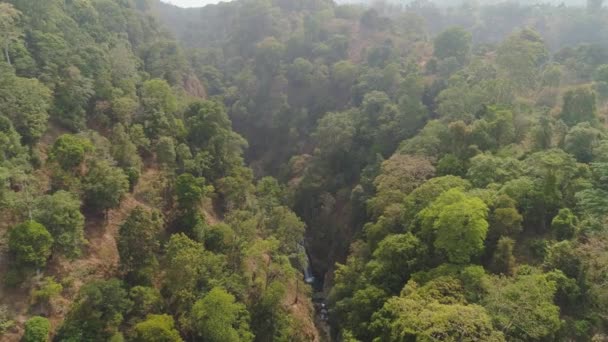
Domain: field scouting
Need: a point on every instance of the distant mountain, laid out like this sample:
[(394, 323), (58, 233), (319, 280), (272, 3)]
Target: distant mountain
[(443, 3), (193, 3)]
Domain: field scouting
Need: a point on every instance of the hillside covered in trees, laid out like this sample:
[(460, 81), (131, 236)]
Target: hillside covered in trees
[(301, 170)]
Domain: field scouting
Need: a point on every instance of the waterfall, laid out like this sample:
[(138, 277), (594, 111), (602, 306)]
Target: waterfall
[(309, 278)]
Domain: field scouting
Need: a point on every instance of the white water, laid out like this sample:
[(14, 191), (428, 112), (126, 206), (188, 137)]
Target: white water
[(309, 278)]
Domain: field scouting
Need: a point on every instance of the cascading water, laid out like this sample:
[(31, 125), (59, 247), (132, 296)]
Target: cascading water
[(309, 278)]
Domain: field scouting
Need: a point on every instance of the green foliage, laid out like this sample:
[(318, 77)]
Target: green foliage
[(218, 317), (47, 291), (60, 214), (581, 140), (395, 259), (30, 244), (157, 94), (157, 328), (104, 186), (37, 329), (287, 228), (138, 244), (400, 175), (5, 320), (146, 300), (165, 151), (70, 150), (486, 169), (123, 150), (335, 132), (97, 313), (458, 224), (72, 94), (503, 260), (190, 191), (25, 101), (523, 306), (434, 312), (356, 312), (454, 42), (564, 224), (342, 118), (451, 165), (209, 129), (505, 219), (190, 269), (520, 57), (579, 106)]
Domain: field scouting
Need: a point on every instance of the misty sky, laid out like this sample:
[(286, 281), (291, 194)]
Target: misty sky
[(192, 3)]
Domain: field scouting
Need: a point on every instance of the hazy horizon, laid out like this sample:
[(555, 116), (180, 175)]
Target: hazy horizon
[(193, 3)]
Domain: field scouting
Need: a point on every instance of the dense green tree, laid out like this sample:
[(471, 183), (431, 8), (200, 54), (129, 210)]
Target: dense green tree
[(123, 109), (157, 328), (562, 256), (503, 260), (104, 186), (579, 106), (433, 312), (520, 57), (395, 259), (218, 317), (138, 244), (37, 329), (190, 191), (209, 128), (146, 300), (454, 42), (97, 312), (523, 306), (60, 214), (26, 102), (72, 94), (564, 224), (123, 150), (341, 115), (505, 219), (157, 94), (189, 268), (30, 244), (485, 169), (8, 27), (400, 175), (286, 227), (581, 140), (11, 150), (165, 151), (70, 151), (335, 133), (356, 311), (159, 104), (451, 165), (458, 224)]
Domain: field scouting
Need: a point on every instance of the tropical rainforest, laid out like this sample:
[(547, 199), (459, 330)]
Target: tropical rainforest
[(301, 170)]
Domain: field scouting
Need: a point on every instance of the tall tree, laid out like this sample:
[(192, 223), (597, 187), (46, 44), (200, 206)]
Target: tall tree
[(157, 328), (579, 106), (105, 185), (219, 318), (9, 31), (30, 244), (458, 225), (138, 244), (60, 214)]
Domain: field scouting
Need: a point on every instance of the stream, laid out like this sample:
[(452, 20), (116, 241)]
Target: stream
[(318, 298)]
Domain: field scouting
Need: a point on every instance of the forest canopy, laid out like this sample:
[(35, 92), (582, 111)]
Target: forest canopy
[(303, 170)]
